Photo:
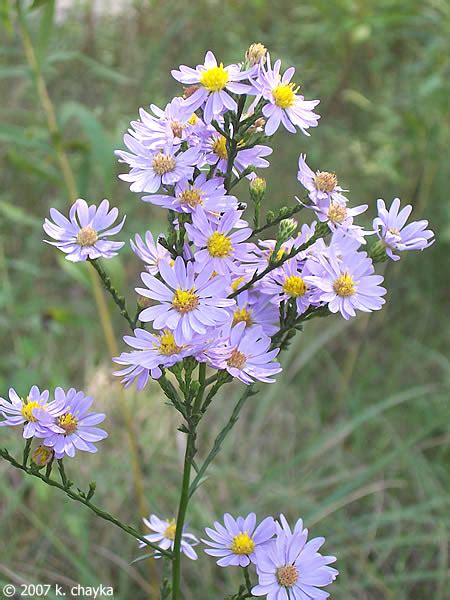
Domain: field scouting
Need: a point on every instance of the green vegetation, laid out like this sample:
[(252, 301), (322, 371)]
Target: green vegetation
[(354, 437)]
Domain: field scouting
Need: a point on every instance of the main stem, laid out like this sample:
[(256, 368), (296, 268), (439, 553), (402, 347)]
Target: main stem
[(192, 421)]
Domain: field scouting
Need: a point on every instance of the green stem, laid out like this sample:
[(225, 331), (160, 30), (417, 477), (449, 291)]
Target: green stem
[(182, 509), (294, 210), (83, 500), (118, 299)]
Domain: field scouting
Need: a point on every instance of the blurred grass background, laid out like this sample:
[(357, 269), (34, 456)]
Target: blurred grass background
[(354, 436)]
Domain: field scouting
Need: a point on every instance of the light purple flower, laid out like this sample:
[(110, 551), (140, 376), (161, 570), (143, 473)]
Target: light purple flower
[(210, 194), (164, 536), (346, 285), (82, 236), (390, 228), (189, 303), (235, 543), (245, 354), (152, 168), (153, 351), (284, 104), (217, 154), (255, 310), (339, 217), (69, 425), (214, 81), (290, 568), (150, 252), (287, 283), (169, 126), (217, 246), (19, 411), (322, 186)]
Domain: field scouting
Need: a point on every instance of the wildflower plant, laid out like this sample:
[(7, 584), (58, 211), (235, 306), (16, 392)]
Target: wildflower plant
[(219, 301)]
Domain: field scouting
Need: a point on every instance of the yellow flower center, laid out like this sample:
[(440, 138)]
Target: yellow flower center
[(242, 315), (294, 286), (191, 197), (171, 529), (237, 359), (220, 147), (162, 163), (325, 181), (214, 79), (219, 245), (184, 301), (67, 422), (336, 212), (87, 236), (344, 285), (237, 283), (27, 410), (281, 252), (193, 119), (167, 345), (284, 94), (242, 544), (41, 456), (287, 576)]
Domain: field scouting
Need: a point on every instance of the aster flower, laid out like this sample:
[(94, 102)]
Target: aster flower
[(168, 126), (217, 154), (149, 252), (322, 186), (346, 285), (18, 411), (340, 217), (82, 236), (189, 303), (236, 542), (164, 536), (214, 81), (210, 194), (70, 427), (290, 568), (217, 247), (245, 354), (152, 168), (284, 104), (254, 311), (153, 351), (287, 283), (390, 228)]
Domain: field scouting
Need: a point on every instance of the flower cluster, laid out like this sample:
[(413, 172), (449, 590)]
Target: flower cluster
[(189, 157), (64, 423), (288, 566)]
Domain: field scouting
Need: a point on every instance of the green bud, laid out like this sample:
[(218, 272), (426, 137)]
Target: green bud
[(286, 229), (257, 189), (377, 252), (270, 216)]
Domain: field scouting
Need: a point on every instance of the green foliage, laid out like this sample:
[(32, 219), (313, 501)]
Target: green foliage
[(361, 452)]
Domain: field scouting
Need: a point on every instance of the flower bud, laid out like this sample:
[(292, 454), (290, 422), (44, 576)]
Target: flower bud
[(286, 229), (255, 54), (257, 189), (377, 252), (42, 456)]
